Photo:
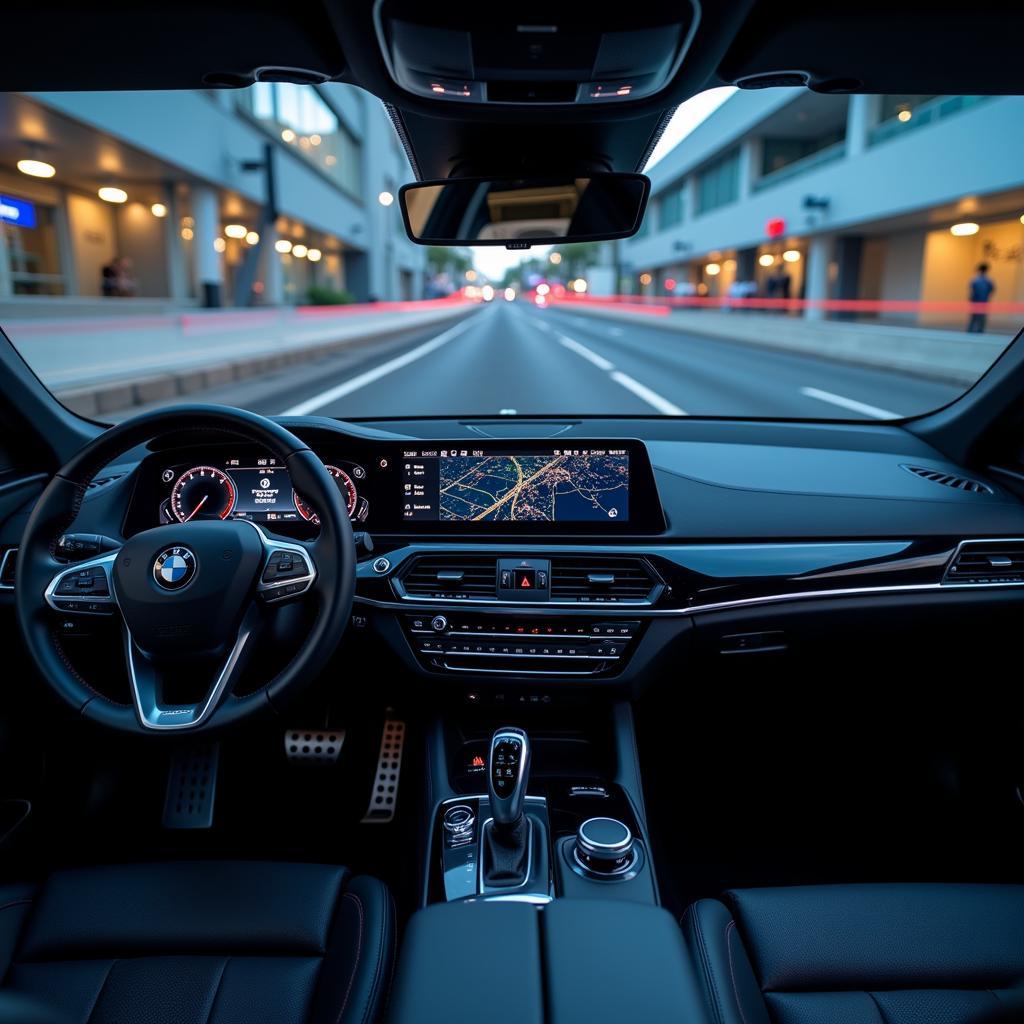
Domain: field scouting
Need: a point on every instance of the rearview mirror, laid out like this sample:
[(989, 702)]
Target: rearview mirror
[(524, 211)]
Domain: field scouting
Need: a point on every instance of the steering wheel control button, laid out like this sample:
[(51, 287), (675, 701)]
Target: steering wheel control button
[(285, 565), (174, 568), (604, 847), (381, 565)]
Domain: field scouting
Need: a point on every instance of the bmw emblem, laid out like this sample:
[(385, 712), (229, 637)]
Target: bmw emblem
[(174, 568)]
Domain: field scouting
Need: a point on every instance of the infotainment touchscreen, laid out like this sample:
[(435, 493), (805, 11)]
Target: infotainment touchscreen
[(526, 485)]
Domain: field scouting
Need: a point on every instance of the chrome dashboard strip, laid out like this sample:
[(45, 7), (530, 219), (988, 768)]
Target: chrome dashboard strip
[(745, 602)]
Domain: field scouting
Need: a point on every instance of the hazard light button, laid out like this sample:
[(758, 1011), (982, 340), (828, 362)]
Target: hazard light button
[(524, 579)]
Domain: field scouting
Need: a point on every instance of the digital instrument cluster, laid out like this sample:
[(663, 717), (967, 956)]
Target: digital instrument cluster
[(257, 488)]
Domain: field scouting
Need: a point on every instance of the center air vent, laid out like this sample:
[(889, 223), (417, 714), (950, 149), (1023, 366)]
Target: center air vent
[(958, 483), (615, 579), (451, 576), (987, 561)]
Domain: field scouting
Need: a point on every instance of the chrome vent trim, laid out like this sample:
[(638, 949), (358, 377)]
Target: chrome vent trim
[(979, 562), (958, 483), (7, 563), (603, 578), (457, 577)]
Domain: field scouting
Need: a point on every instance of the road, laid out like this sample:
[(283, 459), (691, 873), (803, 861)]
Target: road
[(512, 358)]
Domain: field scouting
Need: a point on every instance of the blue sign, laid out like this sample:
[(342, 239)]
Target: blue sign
[(17, 211)]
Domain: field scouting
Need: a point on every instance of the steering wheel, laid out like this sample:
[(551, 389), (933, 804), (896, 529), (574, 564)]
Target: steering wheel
[(192, 596)]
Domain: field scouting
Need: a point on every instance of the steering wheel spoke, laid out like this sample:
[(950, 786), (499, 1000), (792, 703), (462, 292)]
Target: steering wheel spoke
[(288, 570), (150, 678), (85, 588)]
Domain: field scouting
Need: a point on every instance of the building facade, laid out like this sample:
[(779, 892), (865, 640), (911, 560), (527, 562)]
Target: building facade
[(276, 194), (888, 199)]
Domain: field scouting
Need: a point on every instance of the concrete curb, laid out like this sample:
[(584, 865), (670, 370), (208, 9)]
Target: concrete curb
[(952, 357), (103, 397)]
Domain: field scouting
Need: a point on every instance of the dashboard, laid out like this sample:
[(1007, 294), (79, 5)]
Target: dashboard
[(587, 552)]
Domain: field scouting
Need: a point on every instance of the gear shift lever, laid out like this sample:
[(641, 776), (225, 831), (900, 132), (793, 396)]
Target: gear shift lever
[(506, 840), (508, 772)]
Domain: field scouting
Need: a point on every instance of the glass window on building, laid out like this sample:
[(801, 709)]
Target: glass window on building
[(31, 247), (302, 118), (671, 208), (719, 182), (778, 153), (899, 114)]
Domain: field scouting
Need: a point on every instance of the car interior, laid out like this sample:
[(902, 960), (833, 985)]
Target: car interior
[(746, 751)]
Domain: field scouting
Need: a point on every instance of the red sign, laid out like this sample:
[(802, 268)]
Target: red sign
[(670, 284), (775, 228)]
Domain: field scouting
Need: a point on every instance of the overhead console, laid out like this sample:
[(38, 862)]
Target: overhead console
[(553, 54)]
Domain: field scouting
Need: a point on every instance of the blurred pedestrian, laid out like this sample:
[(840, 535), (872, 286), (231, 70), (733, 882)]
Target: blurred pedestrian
[(980, 291)]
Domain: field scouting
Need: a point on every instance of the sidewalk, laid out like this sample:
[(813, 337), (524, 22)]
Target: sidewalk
[(954, 357), (101, 364)]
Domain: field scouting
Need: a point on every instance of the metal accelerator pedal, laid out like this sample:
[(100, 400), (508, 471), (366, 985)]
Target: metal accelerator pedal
[(384, 795), (314, 746)]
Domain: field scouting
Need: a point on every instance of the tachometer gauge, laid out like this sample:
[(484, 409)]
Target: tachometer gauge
[(348, 490), (202, 492)]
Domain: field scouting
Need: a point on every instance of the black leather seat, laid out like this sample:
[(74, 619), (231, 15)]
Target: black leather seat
[(210, 943), (861, 954)]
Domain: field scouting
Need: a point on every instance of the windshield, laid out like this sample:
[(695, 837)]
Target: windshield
[(804, 256)]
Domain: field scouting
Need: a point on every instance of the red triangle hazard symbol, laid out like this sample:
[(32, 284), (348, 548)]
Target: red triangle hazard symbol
[(525, 582)]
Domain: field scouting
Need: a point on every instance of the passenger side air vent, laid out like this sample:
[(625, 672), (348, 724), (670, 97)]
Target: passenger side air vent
[(987, 561), (959, 483), (451, 576), (597, 579)]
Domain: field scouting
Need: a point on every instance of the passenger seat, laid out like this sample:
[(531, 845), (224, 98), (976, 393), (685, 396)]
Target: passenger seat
[(861, 954)]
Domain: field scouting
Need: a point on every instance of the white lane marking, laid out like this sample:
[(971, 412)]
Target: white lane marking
[(652, 398), (849, 403), (355, 383), (581, 350)]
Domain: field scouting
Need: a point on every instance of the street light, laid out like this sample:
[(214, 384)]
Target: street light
[(556, 258), (385, 198)]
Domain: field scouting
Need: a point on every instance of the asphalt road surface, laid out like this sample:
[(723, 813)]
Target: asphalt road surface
[(512, 358)]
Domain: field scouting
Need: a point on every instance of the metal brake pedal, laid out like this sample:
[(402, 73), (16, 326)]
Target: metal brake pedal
[(192, 787), (314, 746), (384, 795)]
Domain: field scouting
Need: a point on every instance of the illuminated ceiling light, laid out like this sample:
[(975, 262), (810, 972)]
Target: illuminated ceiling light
[(385, 199), (645, 279), (158, 210), (713, 269), (313, 255), (579, 286), (282, 245), (543, 289), (288, 135), (315, 140), (37, 168), (791, 256), (904, 115), (729, 265), (252, 237), (109, 194), (187, 234), (300, 251), (188, 222), (966, 228), (470, 275), (219, 244), (556, 258), (236, 230), (767, 260), (330, 159)]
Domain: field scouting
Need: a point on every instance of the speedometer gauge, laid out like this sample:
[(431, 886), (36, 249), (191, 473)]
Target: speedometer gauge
[(202, 492), (349, 495)]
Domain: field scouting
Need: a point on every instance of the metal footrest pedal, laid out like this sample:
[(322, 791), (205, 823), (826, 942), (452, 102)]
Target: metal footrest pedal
[(384, 795), (192, 787), (314, 746)]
